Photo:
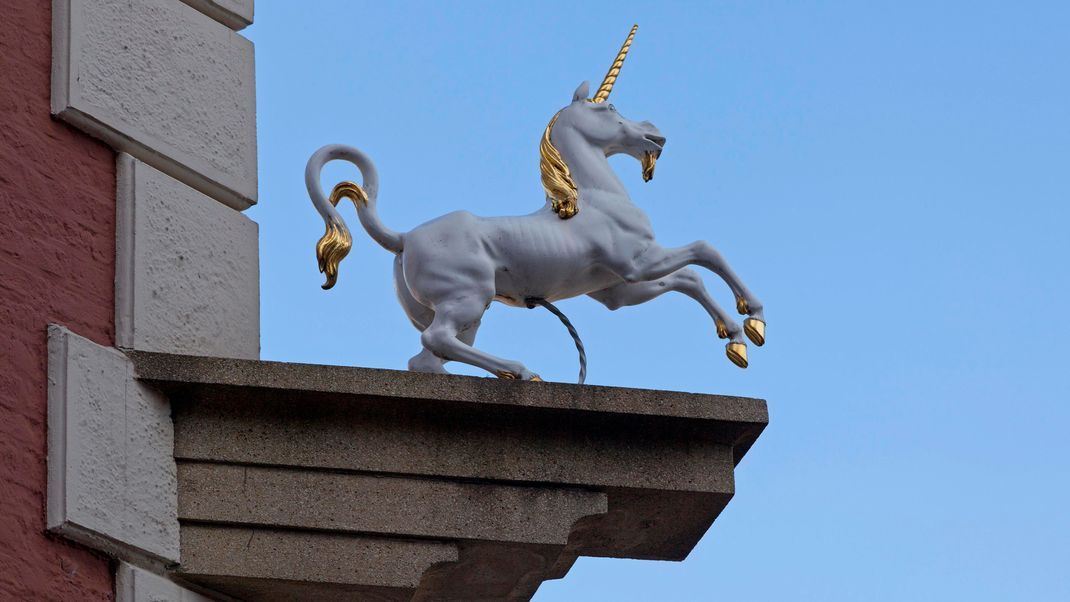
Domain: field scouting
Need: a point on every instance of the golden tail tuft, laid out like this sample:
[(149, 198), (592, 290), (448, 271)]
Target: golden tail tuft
[(331, 250), (336, 242)]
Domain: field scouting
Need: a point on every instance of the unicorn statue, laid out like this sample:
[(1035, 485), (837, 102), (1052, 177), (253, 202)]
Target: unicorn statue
[(588, 239)]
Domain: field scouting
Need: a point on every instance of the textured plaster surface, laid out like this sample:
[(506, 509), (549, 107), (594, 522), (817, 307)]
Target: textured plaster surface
[(111, 474), (133, 584), (323, 500), (164, 82), (57, 254), (187, 279), (236, 14)]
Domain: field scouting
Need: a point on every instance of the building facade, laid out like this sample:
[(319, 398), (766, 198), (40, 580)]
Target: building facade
[(127, 143)]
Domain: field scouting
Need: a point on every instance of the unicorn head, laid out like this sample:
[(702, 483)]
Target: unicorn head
[(601, 125)]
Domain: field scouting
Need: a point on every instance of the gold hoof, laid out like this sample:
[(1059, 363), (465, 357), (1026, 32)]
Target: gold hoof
[(737, 352), (755, 330), (741, 306), (507, 375), (722, 330), (536, 379)]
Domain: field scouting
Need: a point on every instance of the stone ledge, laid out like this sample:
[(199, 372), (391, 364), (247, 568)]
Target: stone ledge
[(738, 420), (502, 483)]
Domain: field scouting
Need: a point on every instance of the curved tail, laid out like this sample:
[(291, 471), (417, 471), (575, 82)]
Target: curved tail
[(336, 241)]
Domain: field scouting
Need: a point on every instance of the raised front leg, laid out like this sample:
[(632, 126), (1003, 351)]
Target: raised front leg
[(657, 262), (685, 281)]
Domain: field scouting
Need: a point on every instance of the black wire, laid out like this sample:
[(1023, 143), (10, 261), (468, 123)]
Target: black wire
[(533, 301)]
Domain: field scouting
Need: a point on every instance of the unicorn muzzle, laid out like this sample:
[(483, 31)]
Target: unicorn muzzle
[(657, 141)]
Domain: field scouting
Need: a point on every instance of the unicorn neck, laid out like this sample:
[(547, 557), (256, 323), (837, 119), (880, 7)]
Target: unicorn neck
[(587, 164)]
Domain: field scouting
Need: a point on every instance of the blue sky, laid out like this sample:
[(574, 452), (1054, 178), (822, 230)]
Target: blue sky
[(891, 178)]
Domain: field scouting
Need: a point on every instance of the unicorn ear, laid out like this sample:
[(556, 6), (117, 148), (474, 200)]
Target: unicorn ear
[(581, 92)]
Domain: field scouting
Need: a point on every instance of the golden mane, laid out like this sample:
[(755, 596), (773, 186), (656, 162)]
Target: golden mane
[(556, 179)]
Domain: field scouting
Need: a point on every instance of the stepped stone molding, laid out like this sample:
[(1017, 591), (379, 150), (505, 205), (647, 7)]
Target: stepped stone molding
[(162, 81), (301, 481), (133, 584), (265, 555), (235, 14), (111, 472), (187, 268), (261, 495)]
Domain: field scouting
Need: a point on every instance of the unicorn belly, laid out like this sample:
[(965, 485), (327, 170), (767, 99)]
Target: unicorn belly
[(546, 257), (514, 286)]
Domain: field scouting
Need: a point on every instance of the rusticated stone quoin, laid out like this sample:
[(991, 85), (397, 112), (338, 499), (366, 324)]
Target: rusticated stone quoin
[(111, 475), (187, 268), (302, 481), (163, 82)]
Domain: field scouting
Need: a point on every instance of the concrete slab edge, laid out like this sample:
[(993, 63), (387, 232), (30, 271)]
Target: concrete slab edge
[(234, 19)]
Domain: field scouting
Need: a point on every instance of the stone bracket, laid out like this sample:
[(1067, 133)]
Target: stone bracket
[(300, 481)]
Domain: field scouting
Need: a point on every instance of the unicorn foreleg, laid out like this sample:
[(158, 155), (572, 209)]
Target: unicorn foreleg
[(685, 281), (657, 262)]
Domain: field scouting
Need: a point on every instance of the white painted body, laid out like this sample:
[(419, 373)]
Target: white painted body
[(448, 270)]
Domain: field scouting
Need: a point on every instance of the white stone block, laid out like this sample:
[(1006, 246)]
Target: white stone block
[(235, 14), (163, 82), (187, 269), (111, 472), (133, 584)]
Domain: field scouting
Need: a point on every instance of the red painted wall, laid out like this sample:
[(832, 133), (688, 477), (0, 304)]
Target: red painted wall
[(57, 264)]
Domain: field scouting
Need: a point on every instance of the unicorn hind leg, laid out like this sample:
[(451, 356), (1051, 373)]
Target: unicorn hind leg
[(457, 319), (421, 317)]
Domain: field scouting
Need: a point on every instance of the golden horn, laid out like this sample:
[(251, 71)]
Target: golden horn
[(611, 75)]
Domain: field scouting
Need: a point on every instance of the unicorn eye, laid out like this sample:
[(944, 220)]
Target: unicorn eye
[(613, 108)]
